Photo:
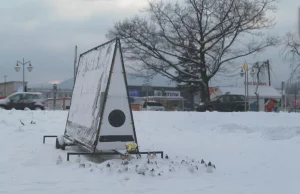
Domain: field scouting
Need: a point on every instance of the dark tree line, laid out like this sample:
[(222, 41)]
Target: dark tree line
[(191, 42)]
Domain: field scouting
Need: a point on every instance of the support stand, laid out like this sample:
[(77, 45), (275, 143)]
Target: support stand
[(111, 153), (60, 145)]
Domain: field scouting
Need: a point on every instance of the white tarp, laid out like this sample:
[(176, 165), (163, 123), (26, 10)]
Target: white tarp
[(91, 82)]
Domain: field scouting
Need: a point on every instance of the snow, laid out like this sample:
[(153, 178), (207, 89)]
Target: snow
[(252, 152), (263, 91)]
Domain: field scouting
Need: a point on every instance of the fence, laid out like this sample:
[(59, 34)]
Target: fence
[(291, 101), (60, 103)]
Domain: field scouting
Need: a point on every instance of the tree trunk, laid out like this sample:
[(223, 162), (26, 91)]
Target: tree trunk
[(204, 91), (192, 92)]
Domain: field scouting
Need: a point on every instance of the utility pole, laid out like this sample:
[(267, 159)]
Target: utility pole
[(247, 86), (282, 95), (299, 21), (54, 95), (244, 72), (295, 96), (75, 61), (269, 76)]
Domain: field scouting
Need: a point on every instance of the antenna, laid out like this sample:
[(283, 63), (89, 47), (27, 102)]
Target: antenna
[(299, 21), (75, 61)]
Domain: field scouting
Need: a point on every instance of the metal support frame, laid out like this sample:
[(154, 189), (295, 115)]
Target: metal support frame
[(111, 153), (55, 136), (75, 61), (100, 153)]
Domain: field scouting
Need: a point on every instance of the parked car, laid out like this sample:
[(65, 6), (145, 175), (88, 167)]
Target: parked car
[(224, 103), (152, 106), (22, 100)]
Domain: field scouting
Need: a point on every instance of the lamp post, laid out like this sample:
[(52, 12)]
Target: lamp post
[(29, 68), (242, 73), (54, 95), (252, 73)]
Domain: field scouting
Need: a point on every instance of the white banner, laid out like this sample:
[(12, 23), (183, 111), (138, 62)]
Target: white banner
[(167, 93)]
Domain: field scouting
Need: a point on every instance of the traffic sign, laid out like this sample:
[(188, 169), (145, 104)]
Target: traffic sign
[(244, 67)]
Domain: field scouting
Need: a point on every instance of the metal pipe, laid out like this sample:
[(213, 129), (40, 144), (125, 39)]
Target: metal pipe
[(295, 96), (285, 92), (245, 90), (23, 75), (282, 94), (75, 61)]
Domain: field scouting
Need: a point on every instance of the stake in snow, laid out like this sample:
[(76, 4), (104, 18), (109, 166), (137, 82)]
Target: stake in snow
[(100, 117)]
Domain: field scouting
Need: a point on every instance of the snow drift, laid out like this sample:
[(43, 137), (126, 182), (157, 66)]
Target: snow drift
[(253, 153)]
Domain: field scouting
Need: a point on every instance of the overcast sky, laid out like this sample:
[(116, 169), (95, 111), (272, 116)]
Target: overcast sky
[(46, 31)]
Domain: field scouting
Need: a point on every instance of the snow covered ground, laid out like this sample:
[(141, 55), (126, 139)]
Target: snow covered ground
[(254, 153)]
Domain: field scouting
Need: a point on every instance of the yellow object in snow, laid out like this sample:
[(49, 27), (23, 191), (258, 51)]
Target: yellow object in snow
[(131, 146)]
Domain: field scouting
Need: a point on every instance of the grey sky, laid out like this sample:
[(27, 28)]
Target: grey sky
[(46, 31)]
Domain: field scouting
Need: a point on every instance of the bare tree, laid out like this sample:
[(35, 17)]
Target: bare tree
[(193, 41), (292, 47), (291, 50)]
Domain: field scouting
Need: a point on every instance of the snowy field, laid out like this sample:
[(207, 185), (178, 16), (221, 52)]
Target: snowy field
[(254, 153)]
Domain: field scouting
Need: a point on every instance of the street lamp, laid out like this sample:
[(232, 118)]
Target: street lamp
[(29, 68), (244, 71), (252, 73)]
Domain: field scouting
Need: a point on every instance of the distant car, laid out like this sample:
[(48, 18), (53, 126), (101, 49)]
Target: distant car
[(224, 103), (22, 100)]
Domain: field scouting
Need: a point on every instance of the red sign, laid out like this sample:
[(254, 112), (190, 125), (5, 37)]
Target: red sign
[(211, 90)]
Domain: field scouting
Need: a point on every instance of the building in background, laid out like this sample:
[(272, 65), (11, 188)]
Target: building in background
[(61, 101), (138, 87), (10, 87), (160, 88), (49, 92)]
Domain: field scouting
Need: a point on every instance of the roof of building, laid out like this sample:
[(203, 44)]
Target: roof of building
[(263, 91), (25, 93), (8, 82)]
